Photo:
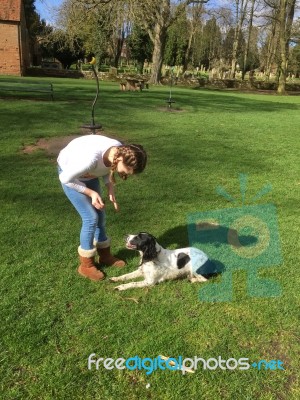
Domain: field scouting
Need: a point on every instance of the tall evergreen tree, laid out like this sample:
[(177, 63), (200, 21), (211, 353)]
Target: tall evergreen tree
[(177, 42), (140, 46), (35, 26)]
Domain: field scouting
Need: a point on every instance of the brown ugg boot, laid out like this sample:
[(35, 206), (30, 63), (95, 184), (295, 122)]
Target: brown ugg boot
[(87, 265), (105, 256)]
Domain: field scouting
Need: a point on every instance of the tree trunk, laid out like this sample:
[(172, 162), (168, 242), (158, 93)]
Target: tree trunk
[(241, 8), (188, 51), (196, 15), (140, 66), (271, 48), (248, 40), (160, 35), (234, 58), (118, 48), (236, 41), (286, 16), (283, 57)]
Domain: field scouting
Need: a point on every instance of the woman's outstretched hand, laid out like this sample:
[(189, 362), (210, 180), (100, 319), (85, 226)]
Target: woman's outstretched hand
[(111, 195)]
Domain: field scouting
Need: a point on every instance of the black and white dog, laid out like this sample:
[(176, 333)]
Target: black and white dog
[(159, 264)]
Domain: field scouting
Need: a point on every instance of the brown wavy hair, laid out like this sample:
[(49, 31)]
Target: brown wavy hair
[(134, 156)]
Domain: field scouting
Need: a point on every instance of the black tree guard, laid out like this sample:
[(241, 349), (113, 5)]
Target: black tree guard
[(170, 101)]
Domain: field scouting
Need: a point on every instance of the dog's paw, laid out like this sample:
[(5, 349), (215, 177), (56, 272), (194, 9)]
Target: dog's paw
[(113, 279), (197, 279), (120, 287)]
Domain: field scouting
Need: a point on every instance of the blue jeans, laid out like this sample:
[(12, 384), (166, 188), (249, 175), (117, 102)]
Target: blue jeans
[(93, 220)]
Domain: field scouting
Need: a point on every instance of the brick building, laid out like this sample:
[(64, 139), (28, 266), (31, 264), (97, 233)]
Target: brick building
[(14, 41)]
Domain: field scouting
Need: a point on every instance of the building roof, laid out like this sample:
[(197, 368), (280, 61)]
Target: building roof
[(10, 10)]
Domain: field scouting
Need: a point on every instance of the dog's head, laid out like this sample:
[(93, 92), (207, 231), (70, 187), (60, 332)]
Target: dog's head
[(143, 242)]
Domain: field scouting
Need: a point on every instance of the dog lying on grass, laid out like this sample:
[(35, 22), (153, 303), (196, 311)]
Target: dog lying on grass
[(159, 264)]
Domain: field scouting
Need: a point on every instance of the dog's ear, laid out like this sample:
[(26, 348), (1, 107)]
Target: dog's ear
[(149, 250)]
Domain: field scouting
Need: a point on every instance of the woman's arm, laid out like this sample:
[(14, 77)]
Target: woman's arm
[(111, 195), (75, 170), (70, 174)]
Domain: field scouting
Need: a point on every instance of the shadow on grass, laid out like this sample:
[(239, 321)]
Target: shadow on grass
[(127, 255), (178, 237)]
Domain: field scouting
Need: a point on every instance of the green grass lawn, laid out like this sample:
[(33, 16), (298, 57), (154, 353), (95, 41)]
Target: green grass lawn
[(52, 319)]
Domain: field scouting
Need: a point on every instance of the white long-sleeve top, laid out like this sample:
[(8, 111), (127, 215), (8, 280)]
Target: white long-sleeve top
[(84, 155)]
